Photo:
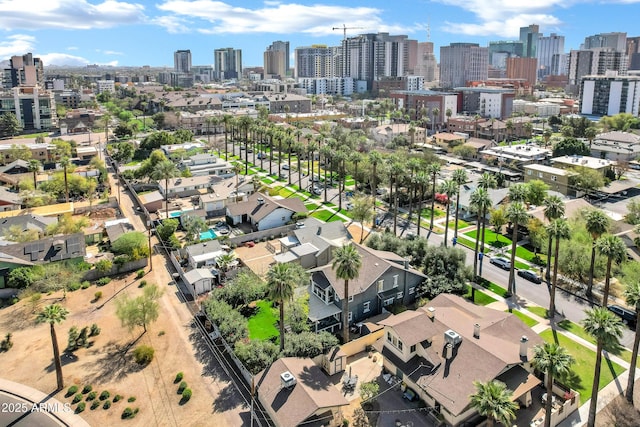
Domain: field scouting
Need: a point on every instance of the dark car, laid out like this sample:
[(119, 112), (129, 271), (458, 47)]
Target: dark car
[(531, 276), (627, 315)]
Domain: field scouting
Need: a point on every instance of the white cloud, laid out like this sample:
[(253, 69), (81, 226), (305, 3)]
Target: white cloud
[(173, 24), (507, 28), (72, 48), (17, 44), (68, 14), (64, 59), (272, 17)]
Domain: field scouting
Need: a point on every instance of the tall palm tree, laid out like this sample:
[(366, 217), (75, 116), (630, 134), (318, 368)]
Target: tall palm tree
[(448, 188), (166, 170), (480, 202), (614, 249), (355, 158), (282, 279), (65, 163), (559, 229), (347, 262), (606, 328), (518, 192), (53, 314), (459, 177), (632, 296), (486, 181), (327, 155), (555, 362), (34, 167), (395, 177), (516, 214), (422, 181), (226, 119), (495, 401), (299, 148), (434, 170), (340, 157), (597, 223), (553, 209), (375, 158)]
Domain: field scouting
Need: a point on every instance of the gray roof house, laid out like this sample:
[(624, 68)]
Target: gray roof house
[(616, 145), (497, 196), (385, 279), (9, 201), (264, 212), (18, 166), (27, 222), (203, 254), (49, 249)]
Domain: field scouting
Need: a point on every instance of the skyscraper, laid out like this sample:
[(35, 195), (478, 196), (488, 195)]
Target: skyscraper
[(426, 64), (548, 47), (529, 37), (276, 59), (228, 63), (616, 41), (633, 52), (24, 70), (463, 62), (182, 61), (317, 61)]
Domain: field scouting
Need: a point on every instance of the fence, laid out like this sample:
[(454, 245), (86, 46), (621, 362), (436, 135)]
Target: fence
[(117, 269), (269, 234), (360, 344)]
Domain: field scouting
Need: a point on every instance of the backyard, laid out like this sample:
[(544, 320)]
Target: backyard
[(262, 324)]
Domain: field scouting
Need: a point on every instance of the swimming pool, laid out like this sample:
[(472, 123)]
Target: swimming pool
[(209, 234), (175, 214)]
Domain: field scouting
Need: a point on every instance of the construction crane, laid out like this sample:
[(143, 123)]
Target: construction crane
[(344, 28)]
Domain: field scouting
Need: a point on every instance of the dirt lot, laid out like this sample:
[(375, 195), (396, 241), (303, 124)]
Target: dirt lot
[(108, 365)]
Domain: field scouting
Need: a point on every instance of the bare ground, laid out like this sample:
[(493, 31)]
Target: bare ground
[(107, 364)]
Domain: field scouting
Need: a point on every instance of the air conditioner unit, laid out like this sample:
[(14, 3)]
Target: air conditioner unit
[(287, 380), (452, 337)]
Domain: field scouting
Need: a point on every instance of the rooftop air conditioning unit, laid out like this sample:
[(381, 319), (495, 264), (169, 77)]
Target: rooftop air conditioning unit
[(452, 337), (287, 380)]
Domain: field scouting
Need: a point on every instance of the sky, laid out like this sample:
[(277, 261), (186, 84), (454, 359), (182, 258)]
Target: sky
[(147, 32)]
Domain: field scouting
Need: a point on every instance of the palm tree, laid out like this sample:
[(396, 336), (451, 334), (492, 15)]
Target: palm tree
[(632, 296), (347, 262), (327, 155), (555, 362), (606, 328), (597, 223), (34, 167), (448, 188), (65, 163), (516, 214), (459, 177), (375, 158), (226, 119), (435, 113), (433, 169), (486, 181), (553, 209), (53, 314), (614, 249), (480, 202), (422, 181), (395, 176), (282, 279), (559, 229), (518, 192), (495, 401), (166, 170)]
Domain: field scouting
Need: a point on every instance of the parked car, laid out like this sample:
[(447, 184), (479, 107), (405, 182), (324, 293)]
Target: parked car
[(501, 262), (285, 167), (531, 276), (262, 156), (249, 244), (627, 315)]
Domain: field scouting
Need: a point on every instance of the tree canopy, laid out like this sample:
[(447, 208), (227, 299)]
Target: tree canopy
[(569, 147)]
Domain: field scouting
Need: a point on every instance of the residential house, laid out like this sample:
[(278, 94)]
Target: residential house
[(477, 145), (516, 155), (203, 254), (195, 185), (449, 140), (9, 263), (41, 152), (18, 166), (572, 208), (557, 179), (9, 201), (153, 201), (616, 145), (26, 222), (117, 228), (294, 391), (86, 153), (173, 148), (385, 279), (206, 164), (498, 196), (49, 249), (199, 281), (264, 212), (227, 191), (440, 350)]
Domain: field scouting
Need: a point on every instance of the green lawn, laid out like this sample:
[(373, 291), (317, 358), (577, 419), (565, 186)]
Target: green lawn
[(526, 319), (493, 288), (538, 311), (311, 206), (576, 330), (461, 224), (285, 192), (481, 297), (262, 325), (581, 378), (491, 238), (466, 242), (267, 180), (526, 254), (426, 213), (325, 216), (350, 182)]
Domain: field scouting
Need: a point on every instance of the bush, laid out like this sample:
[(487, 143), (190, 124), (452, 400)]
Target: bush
[(139, 274), (77, 398), (74, 286), (142, 284), (92, 395), (143, 355), (95, 404), (106, 405), (105, 395), (87, 389), (80, 407), (95, 330), (103, 281), (117, 398), (182, 387), (72, 341), (85, 284), (127, 413), (98, 295), (104, 265), (131, 399), (186, 395), (179, 377), (71, 391)]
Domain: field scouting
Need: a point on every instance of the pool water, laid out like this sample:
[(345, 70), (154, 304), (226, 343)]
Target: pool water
[(175, 214), (209, 234)]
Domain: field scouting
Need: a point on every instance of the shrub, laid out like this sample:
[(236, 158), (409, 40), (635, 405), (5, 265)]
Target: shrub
[(85, 284), (95, 404), (127, 413), (117, 398), (77, 398), (139, 274), (186, 395), (95, 330), (106, 405), (98, 295), (80, 407), (92, 395), (104, 265), (131, 399), (179, 377), (72, 341), (143, 355), (142, 284), (71, 391), (105, 395), (74, 287), (182, 386), (103, 281), (161, 333), (87, 389)]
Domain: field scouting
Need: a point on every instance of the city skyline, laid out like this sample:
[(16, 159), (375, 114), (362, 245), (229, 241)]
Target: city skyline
[(136, 33)]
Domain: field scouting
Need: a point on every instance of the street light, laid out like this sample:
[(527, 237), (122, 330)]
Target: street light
[(151, 230)]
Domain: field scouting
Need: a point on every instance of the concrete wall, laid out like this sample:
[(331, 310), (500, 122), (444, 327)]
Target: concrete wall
[(360, 344), (259, 235), (126, 268)]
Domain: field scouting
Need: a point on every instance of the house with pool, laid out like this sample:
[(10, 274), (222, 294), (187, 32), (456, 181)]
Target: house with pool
[(263, 212)]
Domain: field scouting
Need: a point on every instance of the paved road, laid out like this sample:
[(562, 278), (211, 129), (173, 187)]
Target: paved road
[(18, 412)]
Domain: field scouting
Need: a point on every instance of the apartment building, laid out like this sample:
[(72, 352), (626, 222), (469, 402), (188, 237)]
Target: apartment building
[(463, 62), (610, 94), (34, 107)]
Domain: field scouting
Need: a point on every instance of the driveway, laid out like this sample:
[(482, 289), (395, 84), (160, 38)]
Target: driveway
[(391, 403)]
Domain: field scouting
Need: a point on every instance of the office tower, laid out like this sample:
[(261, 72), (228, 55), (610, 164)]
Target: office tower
[(633, 52), (182, 61), (616, 41), (276, 59), (24, 70), (316, 61), (463, 62), (228, 63), (426, 64), (522, 68), (548, 47), (509, 47), (529, 37)]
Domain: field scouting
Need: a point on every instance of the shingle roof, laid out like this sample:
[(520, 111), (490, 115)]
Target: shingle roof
[(260, 205)]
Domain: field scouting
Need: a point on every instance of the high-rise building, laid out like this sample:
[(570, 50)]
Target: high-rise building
[(633, 52), (529, 37), (610, 94), (616, 41), (228, 63), (426, 64), (510, 47), (548, 47), (24, 70), (276, 59), (182, 61), (522, 68), (594, 62), (463, 62), (316, 61)]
